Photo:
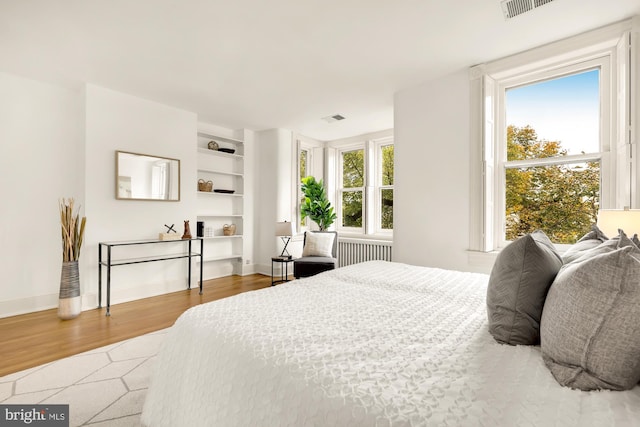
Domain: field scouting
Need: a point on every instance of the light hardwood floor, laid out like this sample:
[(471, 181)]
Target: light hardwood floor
[(33, 339)]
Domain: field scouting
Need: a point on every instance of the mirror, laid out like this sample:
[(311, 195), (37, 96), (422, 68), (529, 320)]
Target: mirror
[(144, 177)]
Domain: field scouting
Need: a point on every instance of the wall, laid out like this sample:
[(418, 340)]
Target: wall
[(41, 136), (116, 121), (433, 142), (274, 195), (431, 200)]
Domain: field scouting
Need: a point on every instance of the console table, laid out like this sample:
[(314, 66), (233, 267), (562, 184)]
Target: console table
[(109, 262)]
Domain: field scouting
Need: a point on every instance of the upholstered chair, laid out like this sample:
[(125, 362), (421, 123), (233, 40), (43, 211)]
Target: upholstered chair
[(319, 253)]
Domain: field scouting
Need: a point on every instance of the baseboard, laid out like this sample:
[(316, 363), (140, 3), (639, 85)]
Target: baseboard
[(28, 305), (89, 300)]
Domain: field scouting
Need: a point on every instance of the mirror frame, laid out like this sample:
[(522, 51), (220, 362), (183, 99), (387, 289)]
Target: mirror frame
[(118, 152)]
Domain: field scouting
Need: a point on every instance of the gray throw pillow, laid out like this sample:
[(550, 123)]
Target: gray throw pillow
[(518, 285), (589, 241), (590, 328), (617, 242)]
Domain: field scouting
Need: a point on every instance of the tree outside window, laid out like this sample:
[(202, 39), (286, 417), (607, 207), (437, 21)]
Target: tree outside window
[(303, 160), (553, 183), (386, 189), (560, 199), (353, 178)]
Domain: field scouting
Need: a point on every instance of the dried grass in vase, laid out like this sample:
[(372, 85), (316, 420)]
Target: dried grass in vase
[(72, 231)]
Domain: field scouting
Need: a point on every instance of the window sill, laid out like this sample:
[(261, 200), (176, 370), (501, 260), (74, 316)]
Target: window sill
[(481, 259)]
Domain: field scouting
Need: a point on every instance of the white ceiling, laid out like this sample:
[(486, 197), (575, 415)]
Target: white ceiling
[(277, 63)]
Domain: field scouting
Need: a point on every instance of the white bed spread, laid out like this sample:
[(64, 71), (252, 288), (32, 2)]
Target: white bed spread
[(373, 344)]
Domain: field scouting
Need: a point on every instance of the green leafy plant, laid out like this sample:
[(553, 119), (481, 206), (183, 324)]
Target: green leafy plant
[(316, 205), (72, 231)]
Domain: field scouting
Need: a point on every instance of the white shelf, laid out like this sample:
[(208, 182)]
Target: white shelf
[(221, 167), (221, 172), (221, 258), (222, 138), (213, 193), (217, 215), (220, 153)]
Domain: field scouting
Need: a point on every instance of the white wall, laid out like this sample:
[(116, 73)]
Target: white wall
[(41, 137), (431, 200), (116, 121), (273, 187)]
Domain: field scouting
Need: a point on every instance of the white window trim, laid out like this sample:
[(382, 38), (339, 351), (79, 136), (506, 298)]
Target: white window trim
[(378, 186), (600, 43), (311, 147), (603, 63), (333, 172), (340, 189)]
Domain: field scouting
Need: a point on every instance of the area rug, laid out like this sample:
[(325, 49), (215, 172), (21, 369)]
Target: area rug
[(103, 387)]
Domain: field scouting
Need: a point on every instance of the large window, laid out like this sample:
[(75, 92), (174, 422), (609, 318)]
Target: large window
[(351, 190), (554, 140), (551, 166), (364, 187)]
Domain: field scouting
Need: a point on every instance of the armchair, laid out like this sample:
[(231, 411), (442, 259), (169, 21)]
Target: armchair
[(319, 253)]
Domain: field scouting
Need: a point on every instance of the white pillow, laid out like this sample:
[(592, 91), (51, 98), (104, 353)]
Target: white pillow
[(318, 244)]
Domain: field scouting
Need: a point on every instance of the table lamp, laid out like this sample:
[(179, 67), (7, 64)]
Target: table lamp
[(284, 230), (610, 220)]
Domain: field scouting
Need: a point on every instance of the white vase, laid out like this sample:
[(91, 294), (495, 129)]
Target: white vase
[(69, 304)]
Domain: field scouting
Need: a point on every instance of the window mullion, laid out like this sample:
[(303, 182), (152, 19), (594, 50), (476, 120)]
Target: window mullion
[(550, 161)]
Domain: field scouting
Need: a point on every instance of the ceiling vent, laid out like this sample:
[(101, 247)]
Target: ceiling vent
[(334, 118), (512, 8)]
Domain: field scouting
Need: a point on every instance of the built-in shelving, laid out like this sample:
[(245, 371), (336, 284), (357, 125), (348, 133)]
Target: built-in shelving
[(226, 171)]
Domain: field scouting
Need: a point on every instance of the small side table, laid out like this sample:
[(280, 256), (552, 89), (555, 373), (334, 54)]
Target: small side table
[(284, 272)]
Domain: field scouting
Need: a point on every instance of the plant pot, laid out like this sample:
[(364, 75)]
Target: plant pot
[(69, 304)]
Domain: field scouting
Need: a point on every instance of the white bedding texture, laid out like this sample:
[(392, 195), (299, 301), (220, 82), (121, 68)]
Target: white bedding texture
[(373, 344)]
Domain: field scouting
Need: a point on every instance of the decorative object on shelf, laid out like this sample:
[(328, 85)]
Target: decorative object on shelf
[(208, 232), (200, 229), (205, 185), (168, 235), (187, 230), (229, 229), (70, 303), (227, 150), (316, 205), (213, 145), (220, 190), (284, 230)]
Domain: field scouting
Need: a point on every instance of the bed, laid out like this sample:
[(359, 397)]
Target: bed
[(372, 344)]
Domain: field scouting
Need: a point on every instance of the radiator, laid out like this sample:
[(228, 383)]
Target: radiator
[(353, 251)]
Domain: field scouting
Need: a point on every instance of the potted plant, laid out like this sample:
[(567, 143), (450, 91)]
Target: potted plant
[(316, 205), (70, 304)]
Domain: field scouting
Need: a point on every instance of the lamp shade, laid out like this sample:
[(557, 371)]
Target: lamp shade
[(610, 220), (284, 228)]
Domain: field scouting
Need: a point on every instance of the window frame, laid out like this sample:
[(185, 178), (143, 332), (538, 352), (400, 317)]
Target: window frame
[(308, 147), (379, 186), (340, 189), (602, 63), (615, 42), (371, 196)]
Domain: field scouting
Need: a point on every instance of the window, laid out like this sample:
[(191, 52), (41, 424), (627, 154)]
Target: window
[(384, 188), (351, 191), (304, 155), (550, 156), (364, 187), (305, 166), (553, 139)]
